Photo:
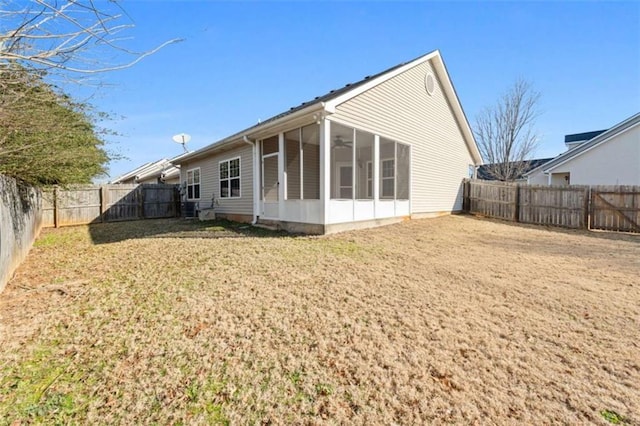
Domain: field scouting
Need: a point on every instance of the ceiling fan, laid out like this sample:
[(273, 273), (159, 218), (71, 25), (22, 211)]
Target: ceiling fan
[(338, 142)]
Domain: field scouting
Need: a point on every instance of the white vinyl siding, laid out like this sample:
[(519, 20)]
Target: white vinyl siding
[(613, 162), (210, 183), (400, 109)]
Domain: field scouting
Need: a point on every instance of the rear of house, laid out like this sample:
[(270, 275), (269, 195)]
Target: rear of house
[(389, 147)]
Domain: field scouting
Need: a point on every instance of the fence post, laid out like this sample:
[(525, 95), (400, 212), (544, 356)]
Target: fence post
[(587, 207), (104, 202), (141, 202), (466, 184), (55, 207), (516, 206)]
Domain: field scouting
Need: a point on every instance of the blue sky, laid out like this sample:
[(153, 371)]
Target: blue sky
[(245, 61)]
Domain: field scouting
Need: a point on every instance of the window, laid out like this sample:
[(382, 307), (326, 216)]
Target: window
[(193, 184), (230, 178), (387, 178)]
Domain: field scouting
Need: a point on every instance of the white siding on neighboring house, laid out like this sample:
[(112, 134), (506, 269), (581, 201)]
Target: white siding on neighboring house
[(210, 183), (401, 109), (613, 162), (538, 178)]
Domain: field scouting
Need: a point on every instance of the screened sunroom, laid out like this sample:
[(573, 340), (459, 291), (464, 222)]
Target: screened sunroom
[(329, 173)]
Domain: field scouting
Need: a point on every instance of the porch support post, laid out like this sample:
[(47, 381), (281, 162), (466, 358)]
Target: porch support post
[(325, 169), (376, 174), (282, 182), (256, 182)]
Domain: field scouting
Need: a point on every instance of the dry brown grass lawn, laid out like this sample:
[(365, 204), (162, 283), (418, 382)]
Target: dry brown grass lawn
[(454, 319)]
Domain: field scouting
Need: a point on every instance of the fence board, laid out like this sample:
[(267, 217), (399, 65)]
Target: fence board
[(554, 205), (615, 208), (107, 203), (611, 208), (493, 199)]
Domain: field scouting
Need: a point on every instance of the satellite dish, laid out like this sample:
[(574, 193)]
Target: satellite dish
[(182, 139)]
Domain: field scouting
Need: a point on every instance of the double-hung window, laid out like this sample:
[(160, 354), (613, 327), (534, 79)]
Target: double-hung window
[(193, 184), (230, 178), (388, 174)]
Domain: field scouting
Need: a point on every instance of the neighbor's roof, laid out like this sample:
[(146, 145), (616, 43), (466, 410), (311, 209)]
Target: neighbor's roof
[(161, 168), (577, 137), (586, 146), (329, 100), (132, 173), (485, 174)]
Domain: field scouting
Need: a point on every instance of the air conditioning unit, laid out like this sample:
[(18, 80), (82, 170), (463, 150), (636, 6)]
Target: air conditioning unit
[(207, 214)]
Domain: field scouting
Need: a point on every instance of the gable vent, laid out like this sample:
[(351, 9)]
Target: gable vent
[(430, 83)]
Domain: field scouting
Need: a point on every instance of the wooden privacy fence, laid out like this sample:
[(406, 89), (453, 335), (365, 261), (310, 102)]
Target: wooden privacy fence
[(108, 203), (611, 208)]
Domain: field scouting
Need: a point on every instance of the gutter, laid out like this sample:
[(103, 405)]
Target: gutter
[(251, 130), (256, 188)]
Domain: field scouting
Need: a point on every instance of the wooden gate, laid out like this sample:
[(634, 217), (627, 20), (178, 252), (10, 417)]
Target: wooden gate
[(615, 208)]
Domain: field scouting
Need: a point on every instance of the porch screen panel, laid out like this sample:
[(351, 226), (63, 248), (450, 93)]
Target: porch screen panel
[(341, 161), (270, 145), (311, 162), (270, 171), (292, 158), (403, 158), (364, 165), (387, 169)]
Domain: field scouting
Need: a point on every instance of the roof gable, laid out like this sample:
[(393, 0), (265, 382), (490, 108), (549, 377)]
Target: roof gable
[(330, 100), (587, 146)]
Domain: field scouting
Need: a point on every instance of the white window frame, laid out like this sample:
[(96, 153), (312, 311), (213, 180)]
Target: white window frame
[(193, 184), (383, 178), (229, 178)]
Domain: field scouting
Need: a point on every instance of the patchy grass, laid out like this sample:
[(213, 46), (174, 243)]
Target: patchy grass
[(450, 320)]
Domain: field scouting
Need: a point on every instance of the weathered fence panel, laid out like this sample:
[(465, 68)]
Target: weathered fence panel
[(493, 199), (615, 208), (108, 203), (565, 206), (161, 201), (611, 208)]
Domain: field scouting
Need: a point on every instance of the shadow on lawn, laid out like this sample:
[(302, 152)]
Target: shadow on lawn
[(112, 232), (605, 235)]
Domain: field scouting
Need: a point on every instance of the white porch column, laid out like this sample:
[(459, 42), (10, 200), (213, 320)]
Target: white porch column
[(376, 174), (325, 169), (282, 182)]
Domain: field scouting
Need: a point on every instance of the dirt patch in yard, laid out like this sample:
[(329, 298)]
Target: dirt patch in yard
[(454, 319)]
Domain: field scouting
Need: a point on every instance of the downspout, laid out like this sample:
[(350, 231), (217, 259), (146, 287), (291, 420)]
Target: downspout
[(254, 144)]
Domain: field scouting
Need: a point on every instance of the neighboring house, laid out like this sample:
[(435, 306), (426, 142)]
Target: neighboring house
[(610, 157), (161, 171), (392, 146), (484, 171)]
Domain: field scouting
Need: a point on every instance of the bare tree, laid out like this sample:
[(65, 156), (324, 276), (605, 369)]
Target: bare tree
[(505, 132), (47, 41), (75, 36)]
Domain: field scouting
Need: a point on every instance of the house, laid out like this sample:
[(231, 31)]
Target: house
[(484, 171), (610, 157), (161, 171), (392, 146)]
